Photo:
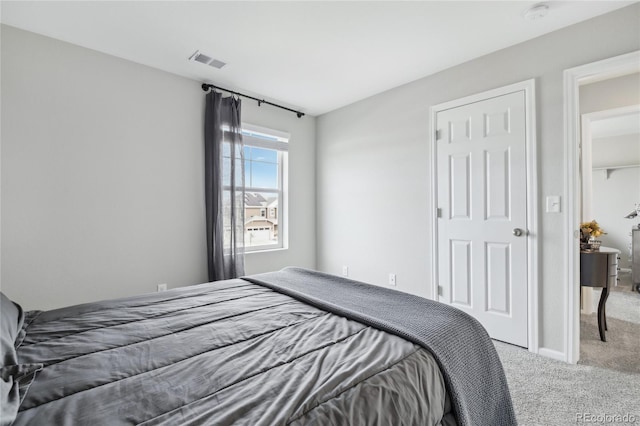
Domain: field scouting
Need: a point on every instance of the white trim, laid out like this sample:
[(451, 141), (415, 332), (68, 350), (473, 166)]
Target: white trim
[(265, 138), (532, 214), (258, 189), (573, 78), (283, 136), (551, 353), (585, 152), (529, 89), (493, 93), (264, 143), (433, 136), (613, 112), (630, 166)]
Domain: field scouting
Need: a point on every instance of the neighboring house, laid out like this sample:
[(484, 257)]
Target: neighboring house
[(260, 219)]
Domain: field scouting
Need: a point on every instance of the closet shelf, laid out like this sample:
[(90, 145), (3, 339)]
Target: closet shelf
[(609, 169)]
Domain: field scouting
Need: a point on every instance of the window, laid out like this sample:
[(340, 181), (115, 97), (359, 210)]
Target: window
[(265, 171)]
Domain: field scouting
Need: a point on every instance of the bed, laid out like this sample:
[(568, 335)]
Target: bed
[(290, 347)]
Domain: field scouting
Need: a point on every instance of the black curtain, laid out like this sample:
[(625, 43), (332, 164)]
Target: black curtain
[(224, 186)]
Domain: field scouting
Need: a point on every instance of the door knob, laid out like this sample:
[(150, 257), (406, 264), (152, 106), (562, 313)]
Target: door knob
[(517, 232)]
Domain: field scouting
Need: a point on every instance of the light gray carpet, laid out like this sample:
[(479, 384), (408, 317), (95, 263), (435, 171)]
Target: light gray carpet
[(548, 392), (621, 351), (605, 382), (623, 302)]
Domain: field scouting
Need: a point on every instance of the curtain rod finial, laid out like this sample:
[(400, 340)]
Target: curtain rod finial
[(205, 86)]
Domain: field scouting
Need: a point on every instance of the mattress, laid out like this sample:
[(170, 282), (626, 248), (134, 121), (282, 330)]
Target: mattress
[(229, 352)]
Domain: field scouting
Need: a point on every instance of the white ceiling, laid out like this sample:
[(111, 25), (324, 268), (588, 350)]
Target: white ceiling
[(311, 55)]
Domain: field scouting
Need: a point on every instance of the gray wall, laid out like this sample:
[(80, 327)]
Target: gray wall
[(373, 162), (102, 176)]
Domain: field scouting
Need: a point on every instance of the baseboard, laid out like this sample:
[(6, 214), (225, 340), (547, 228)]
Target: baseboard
[(553, 354)]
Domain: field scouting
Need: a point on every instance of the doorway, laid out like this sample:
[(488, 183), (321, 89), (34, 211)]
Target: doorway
[(610, 191), (483, 178), (573, 79)]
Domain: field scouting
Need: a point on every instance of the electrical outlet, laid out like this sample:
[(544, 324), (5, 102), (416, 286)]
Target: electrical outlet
[(392, 280), (345, 271), (162, 287)]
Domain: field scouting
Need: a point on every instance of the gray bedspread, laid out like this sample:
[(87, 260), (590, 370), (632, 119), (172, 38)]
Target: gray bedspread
[(472, 370), (229, 352)]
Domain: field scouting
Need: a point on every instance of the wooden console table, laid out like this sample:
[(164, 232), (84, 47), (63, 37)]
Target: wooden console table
[(600, 269)]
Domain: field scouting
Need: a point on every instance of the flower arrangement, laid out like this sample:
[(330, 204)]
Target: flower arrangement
[(589, 231)]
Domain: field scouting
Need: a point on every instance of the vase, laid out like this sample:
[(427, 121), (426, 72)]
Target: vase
[(594, 244), (584, 240)]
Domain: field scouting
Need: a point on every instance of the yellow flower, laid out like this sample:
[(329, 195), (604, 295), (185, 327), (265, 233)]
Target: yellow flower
[(592, 228)]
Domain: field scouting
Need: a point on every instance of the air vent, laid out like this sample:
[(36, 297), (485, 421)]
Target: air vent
[(537, 11), (207, 60)]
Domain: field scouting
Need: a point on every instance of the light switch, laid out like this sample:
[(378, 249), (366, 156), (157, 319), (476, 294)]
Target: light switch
[(553, 204)]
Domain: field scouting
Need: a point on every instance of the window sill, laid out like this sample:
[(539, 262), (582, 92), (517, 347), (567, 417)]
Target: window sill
[(266, 250)]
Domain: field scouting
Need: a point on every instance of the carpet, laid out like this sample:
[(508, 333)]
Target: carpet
[(549, 392), (623, 302), (603, 388), (620, 352)]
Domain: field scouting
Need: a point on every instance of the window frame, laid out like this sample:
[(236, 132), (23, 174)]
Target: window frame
[(277, 141)]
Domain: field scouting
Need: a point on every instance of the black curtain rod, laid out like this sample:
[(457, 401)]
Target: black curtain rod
[(206, 87)]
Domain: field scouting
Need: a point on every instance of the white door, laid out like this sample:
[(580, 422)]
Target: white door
[(482, 196)]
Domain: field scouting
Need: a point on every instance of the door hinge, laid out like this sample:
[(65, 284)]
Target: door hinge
[(438, 134), (438, 212), (440, 290)]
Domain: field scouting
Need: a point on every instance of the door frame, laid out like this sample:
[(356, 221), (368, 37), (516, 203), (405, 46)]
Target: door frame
[(529, 88), (573, 79)]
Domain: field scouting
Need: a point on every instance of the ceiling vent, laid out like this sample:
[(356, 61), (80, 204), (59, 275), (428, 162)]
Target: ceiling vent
[(537, 11), (207, 60)]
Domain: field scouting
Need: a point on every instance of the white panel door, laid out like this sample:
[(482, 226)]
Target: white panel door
[(482, 196)]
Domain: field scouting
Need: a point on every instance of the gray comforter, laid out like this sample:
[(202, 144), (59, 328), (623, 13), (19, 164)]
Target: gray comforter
[(231, 352), (472, 370)]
